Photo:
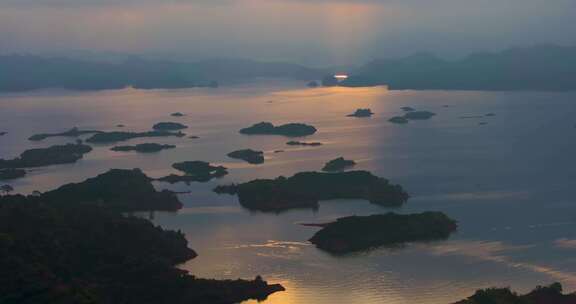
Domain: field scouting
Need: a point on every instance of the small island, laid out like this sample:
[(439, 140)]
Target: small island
[(169, 126), (359, 233), (338, 164), (419, 115), (54, 155), (116, 136), (74, 132), (306, 189), (301, 143), (11, 173), (408, 109), (248, 155), (194, 171), (289, 130), (118, 189), (312, 84), (551, 294), (398, 120), (361, 113), (177, 114), (143, 148), (3, 133)]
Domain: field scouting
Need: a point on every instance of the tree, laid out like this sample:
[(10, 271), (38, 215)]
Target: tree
[(6, 189)]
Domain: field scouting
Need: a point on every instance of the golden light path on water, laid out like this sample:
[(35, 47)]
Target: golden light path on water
[(447, 163)]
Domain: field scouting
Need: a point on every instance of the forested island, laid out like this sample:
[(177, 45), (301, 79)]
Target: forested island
[(123, 190), (289, 130), (143, 148), (551, 294), (88, 254), (338, 164), (116, 136), (194, 171), (358, 233), (40, 157), (306, 189), (248, 155)]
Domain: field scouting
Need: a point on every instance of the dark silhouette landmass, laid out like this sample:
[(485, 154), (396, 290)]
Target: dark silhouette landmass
[(301, 143), (74, 132), (116, 136), (3, 133), (11, 173), (194, 171), (408, 109), (419, 115), (551, 294), (248, 155), (169, 126), (137, 72), (398, 120), (338, 164), (361, 113), (329, 81), (143, 148), (359, 233), (306, 189), (177, 114), (542, 68), (118, 189), (312, 84), (54, 155), (289, 130), (81, 253)]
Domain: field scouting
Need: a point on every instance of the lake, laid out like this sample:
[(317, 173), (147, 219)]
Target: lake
[(510, 183)]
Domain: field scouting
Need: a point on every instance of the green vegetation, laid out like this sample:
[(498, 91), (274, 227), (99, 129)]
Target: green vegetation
[(85, 254), (551, 294), (60, 154), (11, 173), (301, 143), (116, 136), (338, 164), (357, 233), (143, 148), (361, 113), (248, 155), (195, 171), (118, 189), (290, 130), (306, 189), (169, 126)]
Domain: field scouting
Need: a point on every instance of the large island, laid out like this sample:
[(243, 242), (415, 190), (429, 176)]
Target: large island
[(306, 189), (357, 233), (81, 253)]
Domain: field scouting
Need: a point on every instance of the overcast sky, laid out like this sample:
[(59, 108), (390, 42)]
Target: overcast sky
[(308, 31)]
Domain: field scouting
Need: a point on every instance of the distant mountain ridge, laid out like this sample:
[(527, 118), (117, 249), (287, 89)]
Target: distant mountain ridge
[(550, 68), (29, 72)]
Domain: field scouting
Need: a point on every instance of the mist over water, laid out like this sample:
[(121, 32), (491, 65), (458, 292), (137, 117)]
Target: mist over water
[(506, 182), (311, 32)]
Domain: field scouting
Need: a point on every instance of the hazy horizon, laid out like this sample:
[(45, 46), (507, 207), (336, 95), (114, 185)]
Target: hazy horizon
[(310, 32)]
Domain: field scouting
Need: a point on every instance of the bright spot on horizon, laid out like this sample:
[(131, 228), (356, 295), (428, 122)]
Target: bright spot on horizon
[(341, 77)]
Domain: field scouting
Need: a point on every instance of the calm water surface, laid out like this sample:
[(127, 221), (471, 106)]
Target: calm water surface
[(510, 183)]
